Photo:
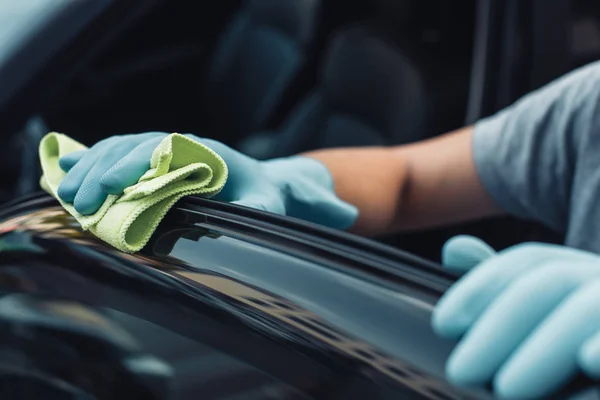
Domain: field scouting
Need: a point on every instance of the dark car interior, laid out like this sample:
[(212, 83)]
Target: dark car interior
[(273, 78), (270, 78)]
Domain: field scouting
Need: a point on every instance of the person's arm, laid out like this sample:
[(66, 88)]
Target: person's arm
[(527, 160), (430, 183), (537, 159)]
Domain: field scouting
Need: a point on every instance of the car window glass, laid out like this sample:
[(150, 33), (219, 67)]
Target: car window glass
[(20, 19), (202, 370)]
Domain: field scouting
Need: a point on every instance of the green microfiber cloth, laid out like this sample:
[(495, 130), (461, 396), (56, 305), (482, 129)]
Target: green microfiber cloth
[(179, 167)]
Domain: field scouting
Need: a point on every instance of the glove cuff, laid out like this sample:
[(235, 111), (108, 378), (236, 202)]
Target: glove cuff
[(308, 190), (307, 167)]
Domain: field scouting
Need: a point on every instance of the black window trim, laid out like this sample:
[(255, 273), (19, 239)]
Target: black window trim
[(351, 254), (348, 253)]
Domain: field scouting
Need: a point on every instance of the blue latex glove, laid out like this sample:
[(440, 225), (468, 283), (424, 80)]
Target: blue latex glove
[(529, 316), (299, 187)]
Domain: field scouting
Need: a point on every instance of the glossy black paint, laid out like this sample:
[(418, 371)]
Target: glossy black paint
[(281, 308)]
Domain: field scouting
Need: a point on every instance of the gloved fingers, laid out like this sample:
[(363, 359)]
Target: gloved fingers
[(264, 202), (244, 178), (68, 188), (331, 212), (312, 202), (68, 161), (91, 194), (509, 319), (244, 172), (549, 357), (464, 302), (589, 354), (589, 357), (463, 252), (130, 167)]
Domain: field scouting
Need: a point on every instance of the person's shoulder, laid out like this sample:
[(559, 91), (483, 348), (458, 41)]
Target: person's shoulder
[(581, 101), (581, 82), (592, 68), (589, 73)]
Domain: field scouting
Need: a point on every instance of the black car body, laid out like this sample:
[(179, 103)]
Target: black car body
[(265, 303), (225, 301)]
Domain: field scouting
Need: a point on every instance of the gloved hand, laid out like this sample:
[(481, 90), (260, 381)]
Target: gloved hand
[(297, 186), (528, 317)]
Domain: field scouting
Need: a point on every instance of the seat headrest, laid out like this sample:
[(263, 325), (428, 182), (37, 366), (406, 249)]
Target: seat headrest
[(369, 77), (296, 18)]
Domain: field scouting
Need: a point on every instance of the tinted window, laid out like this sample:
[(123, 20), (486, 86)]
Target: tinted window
[(202, 371)]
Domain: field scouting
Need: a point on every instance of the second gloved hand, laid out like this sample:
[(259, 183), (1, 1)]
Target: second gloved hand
[(297, 186), (528, 318)]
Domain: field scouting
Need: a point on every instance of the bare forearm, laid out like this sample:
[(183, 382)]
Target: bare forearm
[(372, 179), (422, 185), (443, 185)]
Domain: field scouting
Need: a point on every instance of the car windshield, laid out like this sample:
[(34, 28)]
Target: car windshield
[(19, 20)]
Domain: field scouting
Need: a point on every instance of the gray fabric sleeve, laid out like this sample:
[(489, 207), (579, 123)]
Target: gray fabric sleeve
[(527, 154)]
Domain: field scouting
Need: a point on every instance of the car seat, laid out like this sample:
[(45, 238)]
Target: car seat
[(371, 92), (257, 61)]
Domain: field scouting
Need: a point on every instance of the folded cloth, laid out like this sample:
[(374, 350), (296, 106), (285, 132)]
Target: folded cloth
[(179, 167)]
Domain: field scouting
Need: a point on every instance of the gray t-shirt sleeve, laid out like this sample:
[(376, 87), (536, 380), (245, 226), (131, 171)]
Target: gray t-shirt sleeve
[(530, 155)]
